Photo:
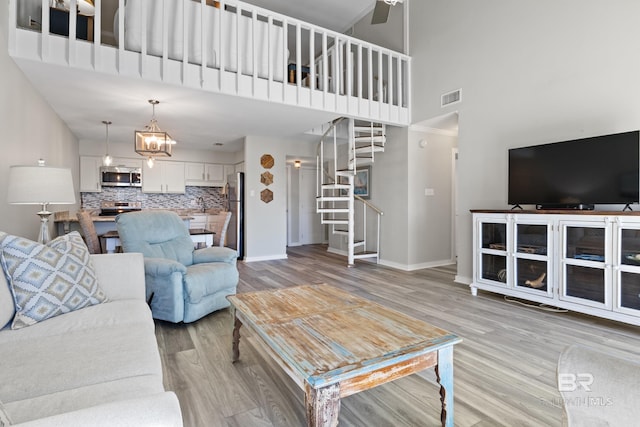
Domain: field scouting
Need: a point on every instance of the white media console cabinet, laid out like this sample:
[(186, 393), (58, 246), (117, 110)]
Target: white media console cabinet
[(585, 261)]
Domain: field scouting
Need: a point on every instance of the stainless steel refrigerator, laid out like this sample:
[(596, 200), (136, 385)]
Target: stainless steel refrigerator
[(235, 200)]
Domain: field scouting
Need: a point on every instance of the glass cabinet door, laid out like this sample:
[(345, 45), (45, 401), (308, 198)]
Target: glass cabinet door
[(585, 273), (493, 252), (532, 269), (628, 278)]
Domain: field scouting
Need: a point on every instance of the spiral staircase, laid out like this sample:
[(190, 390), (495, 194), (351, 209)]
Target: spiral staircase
[(339, 198)]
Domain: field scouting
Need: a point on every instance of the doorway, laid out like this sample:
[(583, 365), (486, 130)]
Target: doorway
[(303, 223)]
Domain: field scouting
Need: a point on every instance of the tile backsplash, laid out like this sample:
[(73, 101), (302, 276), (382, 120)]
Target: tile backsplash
[(213, 197)]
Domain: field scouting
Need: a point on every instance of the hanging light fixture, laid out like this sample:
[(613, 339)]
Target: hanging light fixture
[(153, 142), (107, 159)]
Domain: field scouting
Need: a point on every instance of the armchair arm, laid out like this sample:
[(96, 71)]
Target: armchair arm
[(214, 254), (162, 267)]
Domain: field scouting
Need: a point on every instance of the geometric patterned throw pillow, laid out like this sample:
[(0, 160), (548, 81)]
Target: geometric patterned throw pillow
[(49, 280)]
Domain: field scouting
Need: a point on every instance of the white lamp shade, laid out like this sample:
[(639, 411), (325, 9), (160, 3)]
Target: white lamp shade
[(30, 185)]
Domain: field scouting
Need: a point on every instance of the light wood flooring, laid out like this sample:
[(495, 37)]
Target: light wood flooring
[(504, 370)]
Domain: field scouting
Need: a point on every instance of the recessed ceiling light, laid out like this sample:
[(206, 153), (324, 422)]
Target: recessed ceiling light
[(218, 144)]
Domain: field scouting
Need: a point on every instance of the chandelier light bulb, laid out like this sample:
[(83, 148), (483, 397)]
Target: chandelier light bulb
[(107, 159)]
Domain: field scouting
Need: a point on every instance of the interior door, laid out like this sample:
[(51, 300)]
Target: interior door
[(311, 230)]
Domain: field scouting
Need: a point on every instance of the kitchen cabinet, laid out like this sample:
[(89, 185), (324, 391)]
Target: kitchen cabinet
[(90, 174), (588, 262), (205, 174), (127, 162), (228, 170), (198, 220), (164, 177)]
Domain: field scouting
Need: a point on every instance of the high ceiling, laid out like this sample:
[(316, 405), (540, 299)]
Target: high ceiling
[(196, 119)]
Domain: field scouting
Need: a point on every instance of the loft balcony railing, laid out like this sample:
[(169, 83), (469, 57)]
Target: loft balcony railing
[(222, 46)]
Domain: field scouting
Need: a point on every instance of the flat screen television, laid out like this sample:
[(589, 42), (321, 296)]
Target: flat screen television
[(577, 174)]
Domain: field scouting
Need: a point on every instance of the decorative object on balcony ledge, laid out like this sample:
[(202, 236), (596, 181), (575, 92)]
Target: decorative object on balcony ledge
[(266, 161), (107, 159), (83, 7), (153, 142), (40, 185)]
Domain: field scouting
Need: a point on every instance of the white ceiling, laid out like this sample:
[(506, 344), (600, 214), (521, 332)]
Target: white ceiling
[(196, 119)]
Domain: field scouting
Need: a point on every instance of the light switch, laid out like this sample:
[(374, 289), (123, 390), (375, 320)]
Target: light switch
[(252, 193), (429, 192)]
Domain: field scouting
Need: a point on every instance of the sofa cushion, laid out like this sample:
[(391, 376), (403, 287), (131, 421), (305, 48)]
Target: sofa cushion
[(4, 417), (7, 309), (96, 317), (84, 397), (49, 280), (83, 358)]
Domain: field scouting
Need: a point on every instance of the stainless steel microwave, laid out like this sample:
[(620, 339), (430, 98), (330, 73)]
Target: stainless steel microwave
[(120, 176)]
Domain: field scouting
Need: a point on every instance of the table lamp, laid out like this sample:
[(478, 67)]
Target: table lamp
[(41, 185)]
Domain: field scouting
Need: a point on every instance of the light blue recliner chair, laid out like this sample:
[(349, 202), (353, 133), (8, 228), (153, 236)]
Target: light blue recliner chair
[(186, 284)]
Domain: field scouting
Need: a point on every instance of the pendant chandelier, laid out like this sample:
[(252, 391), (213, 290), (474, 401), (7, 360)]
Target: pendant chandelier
[(107, 159), (153, 142)]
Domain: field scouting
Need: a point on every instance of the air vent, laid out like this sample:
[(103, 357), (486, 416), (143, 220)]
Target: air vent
[(451, 98)]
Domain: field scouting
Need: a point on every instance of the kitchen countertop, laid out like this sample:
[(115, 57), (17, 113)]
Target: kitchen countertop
[(184, 214)]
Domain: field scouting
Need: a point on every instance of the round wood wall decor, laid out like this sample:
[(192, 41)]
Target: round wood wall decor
[(266, 178), (267, 161), (266, 195)]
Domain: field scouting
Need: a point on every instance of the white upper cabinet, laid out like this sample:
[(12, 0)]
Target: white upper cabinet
[(205, 174), (90, 174), (164, 177)]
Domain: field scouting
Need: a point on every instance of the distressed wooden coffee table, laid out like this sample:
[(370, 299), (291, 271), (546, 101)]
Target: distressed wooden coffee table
[(334, 344)]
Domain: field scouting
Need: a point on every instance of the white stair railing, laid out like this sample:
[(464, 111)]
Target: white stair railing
[(231, 47)]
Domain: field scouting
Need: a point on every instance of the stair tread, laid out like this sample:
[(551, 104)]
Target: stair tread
[(374, 138), (368, 128), (332, 210), (335, 221), (336, 186), (365, 255), (333, 199)]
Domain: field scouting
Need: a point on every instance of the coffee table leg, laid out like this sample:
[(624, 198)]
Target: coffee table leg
[(236, 340), (323, 405), (444, 374)]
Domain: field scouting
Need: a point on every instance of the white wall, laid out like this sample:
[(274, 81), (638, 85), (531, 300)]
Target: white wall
[(390, 193), (180, 153), (266, 223), (389, 35), (30, 130), (430, 217), (530, 73)]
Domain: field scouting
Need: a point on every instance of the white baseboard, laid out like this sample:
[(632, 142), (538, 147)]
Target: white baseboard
[(337, 251), (265, 258), (463, 280), (413, 267)]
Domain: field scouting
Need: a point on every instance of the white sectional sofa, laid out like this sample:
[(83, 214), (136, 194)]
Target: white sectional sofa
[(97, 366)]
